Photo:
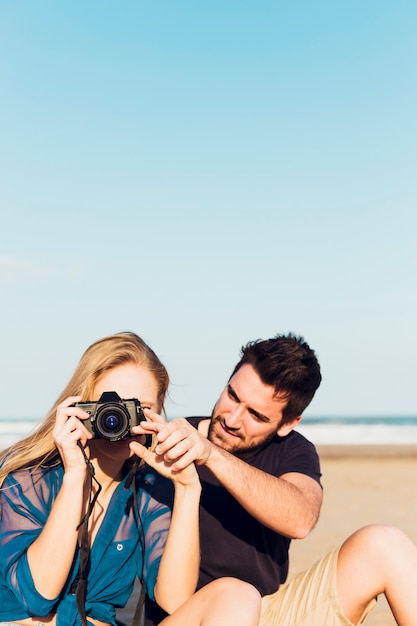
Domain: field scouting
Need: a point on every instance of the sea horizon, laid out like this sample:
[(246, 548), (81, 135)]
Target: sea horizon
[(360, 430), (321, 430)]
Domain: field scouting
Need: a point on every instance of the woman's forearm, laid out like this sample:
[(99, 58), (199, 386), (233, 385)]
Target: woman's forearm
[(51, 555), (179, 567)]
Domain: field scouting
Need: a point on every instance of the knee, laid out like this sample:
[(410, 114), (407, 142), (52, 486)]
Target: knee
[(380, 540), (241, 591), (228, 583), (380, 535)]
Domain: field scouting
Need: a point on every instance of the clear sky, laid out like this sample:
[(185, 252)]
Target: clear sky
[(205, 174)]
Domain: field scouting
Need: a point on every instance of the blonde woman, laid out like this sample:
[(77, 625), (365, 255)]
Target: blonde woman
[(81, 517)]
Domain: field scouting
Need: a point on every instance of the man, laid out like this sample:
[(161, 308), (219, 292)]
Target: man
[(261, 488)]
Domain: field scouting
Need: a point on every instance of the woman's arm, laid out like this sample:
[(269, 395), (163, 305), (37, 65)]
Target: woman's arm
[(51, 555), (179, 568)]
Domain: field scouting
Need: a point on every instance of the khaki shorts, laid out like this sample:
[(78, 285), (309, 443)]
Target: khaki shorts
[(309, 599)]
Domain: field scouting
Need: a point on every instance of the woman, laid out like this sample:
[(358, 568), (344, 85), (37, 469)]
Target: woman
[(80, 520)]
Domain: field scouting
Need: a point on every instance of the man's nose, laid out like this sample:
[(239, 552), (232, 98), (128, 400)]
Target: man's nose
[(235, 417)]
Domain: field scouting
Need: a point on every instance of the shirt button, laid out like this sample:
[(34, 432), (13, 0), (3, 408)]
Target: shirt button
[(119, 547)]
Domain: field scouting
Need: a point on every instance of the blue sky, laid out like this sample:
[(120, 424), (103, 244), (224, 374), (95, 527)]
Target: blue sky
[(205, 174)]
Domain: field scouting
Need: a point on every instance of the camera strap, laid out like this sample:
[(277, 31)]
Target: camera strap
[(131, 480), (80, 591)]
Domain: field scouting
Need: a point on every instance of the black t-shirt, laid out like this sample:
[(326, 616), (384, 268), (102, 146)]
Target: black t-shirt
[(233, 543)]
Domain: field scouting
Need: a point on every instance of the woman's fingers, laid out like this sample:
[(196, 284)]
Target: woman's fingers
[(145, 428), (152, 416), (69, 430), (186, 476)]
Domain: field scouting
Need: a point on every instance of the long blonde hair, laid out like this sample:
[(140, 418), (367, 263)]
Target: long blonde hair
[(105, 354)]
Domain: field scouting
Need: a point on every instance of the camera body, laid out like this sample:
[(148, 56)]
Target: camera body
[(111, 417)]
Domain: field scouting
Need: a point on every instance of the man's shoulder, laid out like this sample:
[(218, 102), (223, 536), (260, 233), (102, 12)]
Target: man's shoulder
[(296, 439), (293, 453), (195, 420), (293, 444)]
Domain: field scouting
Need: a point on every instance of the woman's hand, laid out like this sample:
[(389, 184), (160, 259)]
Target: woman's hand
[(68, 431), (50, 558), (179, 567)]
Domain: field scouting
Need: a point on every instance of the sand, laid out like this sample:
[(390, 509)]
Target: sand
[(362, 485)]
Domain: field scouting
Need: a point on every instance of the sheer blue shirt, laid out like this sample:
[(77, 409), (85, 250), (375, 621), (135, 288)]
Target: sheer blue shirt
[(116, 556)]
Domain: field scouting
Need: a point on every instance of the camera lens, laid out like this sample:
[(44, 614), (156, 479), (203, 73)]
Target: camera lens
[(112, 422)]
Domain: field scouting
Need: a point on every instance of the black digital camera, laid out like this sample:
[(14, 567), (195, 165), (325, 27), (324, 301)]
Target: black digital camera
[(111, 417)]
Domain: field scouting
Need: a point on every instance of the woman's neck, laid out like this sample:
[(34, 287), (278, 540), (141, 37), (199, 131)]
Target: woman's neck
[(107, 471)]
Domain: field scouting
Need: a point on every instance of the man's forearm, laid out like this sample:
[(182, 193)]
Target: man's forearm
[(289, 505)]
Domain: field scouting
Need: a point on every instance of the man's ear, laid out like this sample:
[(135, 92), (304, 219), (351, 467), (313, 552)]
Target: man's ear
[(286, 428)]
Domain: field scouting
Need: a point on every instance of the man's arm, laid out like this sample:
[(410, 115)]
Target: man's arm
[(289, 505)]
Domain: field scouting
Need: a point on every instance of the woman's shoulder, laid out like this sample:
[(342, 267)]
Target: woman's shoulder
[(29, 478)]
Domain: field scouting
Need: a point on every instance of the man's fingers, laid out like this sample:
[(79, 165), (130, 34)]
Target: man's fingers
[(183, 462), (173, 450)]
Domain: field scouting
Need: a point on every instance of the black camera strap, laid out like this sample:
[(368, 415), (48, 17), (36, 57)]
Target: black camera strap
[(80, 592), (131, 479)]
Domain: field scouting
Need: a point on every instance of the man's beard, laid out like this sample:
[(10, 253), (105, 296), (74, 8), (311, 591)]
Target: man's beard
[(239, 449)]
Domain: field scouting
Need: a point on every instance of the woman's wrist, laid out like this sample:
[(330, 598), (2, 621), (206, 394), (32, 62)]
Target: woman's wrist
[(74, 477), (188, 490)]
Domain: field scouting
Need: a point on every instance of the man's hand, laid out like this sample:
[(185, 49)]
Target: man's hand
[(186, 475), (181, 444)]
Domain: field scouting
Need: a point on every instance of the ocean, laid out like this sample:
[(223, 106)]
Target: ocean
[(320, 430), (363, 430)]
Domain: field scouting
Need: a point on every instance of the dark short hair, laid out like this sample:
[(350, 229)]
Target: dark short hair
[(287, 363)]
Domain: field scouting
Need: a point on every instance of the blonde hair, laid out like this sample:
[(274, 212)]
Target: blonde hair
[(105, 354)]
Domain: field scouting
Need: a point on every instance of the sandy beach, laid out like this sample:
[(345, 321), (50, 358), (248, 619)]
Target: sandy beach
[(362, 485)]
